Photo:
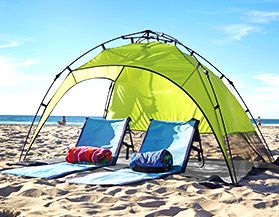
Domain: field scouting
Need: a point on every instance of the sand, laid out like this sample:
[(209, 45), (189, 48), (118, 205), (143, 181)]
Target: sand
[(173, 196)]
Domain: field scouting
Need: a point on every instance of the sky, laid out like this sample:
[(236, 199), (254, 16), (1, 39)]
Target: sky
[(40, 38)]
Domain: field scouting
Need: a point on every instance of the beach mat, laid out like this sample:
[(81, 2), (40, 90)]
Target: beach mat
[(51, 171), (96, 132), (120, 177), (176, 137)]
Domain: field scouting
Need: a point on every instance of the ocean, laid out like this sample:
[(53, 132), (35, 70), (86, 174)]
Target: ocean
[(78, 120), (52, 120)]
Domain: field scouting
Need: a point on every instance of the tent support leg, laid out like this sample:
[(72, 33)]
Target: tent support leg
[(128, 146), (234, 179), (197, 138), (36, 115), (108, 99)]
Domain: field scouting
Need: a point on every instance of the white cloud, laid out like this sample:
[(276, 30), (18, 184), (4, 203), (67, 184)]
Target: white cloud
[(7, 72), (260, 93), (237, 31), (262, 17), (20, 102), (265, 96), (250, 22), (22, 92), (27, 63), (268, 78), (11, 74), (10, 44)]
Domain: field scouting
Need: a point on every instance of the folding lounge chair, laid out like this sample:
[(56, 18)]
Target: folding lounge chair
[(96, 132), (176, 137)]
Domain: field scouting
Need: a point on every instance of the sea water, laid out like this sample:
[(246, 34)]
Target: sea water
[(78, 120), (269, 122), (52, 120)]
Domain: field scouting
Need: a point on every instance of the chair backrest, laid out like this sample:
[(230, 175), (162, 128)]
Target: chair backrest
[(103, 133), (176, 137)]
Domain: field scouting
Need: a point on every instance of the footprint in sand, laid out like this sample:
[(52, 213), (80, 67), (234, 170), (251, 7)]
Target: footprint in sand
[(263, 205), (152, 203), (83, 198), (9, 213), (172, 211), (131, 191), (11, 154), (3, 140), (6, 191), (147, 186), (107, 199), (216, 194), (61, 203), (34, 193), (62, 192), (193, 212), (92, 212), (113, 191), (119, 206), (45, 182), (161, 190)]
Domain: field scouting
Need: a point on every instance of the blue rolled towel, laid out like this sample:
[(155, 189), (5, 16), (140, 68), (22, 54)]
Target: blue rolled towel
[(152, 162)]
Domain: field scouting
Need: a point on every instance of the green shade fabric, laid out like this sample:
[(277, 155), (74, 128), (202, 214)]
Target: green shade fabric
[(156, 80), (179, 77)]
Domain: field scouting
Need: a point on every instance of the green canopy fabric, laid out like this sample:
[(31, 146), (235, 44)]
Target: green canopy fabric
[(156, 80)]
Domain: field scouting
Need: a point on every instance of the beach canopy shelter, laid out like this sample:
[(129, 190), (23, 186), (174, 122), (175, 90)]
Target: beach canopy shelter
[(155, 76)]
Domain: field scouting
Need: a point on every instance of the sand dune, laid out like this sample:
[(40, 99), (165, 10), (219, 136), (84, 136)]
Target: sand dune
[(258, 195)]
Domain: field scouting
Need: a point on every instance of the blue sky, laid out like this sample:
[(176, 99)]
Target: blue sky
[(39, 38)]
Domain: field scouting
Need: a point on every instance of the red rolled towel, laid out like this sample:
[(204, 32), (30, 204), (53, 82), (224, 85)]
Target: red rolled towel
[(88, 154), (81, 154), (72, 155), (101, 156)]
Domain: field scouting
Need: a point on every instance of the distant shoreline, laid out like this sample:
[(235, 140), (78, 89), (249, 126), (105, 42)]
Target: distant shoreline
[(52, 120), (79, 120)]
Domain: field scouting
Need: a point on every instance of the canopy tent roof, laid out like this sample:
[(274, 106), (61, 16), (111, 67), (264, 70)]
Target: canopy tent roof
[(156, 80)]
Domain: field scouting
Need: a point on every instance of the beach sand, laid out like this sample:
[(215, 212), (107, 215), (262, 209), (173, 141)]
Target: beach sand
[(176, 195)]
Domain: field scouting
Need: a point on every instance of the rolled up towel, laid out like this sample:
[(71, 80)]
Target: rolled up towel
[(101, 156), (72, 156), (152, 162), (88, 154)]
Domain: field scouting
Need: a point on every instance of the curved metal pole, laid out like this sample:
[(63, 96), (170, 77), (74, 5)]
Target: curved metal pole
[(35, 116), (145, 36), (241, 98), (199, 65), (160, 37), (230, 82), (102, 44), (264, 141), (216, 99), (58, 75), (108, 99), (110, 93), (224, 127)]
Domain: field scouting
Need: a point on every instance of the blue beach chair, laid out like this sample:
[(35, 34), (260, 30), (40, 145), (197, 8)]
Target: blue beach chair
[(176, 137), (96, 132)]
